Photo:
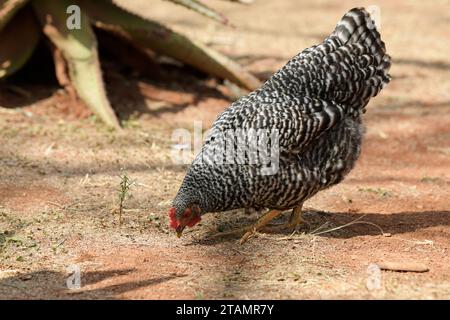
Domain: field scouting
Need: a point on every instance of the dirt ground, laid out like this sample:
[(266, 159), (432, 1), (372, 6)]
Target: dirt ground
[(60, 168)]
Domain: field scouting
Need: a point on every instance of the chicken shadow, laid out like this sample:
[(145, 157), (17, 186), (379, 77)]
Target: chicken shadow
[(330, 224), (392, 223), (47, 284)]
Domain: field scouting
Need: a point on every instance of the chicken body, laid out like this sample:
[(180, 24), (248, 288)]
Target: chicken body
[(314, 103)]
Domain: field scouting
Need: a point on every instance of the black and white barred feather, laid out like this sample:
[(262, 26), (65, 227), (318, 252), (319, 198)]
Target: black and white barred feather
[(315, 102)]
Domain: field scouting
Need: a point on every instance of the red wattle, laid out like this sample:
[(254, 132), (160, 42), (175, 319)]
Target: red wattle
[(194, 221), (173, 219)]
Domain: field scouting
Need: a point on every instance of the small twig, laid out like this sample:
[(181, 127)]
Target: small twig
[(289, 237), (356, 221), (320, 227), (55, 204), (63, 207)]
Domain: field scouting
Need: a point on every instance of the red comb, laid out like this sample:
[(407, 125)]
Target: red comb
[(173, 219)]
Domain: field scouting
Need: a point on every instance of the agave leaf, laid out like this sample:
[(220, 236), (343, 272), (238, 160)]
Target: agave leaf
[(14, 54), (241, 1), (201, 8), (79, 48), (7, 10), (151, 35)]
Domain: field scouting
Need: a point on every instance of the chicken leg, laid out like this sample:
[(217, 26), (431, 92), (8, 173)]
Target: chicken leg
[(261, 223), (294, 220), (250, 230)]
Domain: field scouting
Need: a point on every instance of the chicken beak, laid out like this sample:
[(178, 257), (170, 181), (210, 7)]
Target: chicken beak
[(180, 231)]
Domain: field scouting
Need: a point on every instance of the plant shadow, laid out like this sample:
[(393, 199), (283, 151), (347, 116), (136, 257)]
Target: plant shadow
[(330, 225), (50, 284)]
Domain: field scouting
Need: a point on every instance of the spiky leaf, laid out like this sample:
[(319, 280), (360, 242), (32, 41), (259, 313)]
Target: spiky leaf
[(14, 54), (241, 1), (151, 35), (203, 9), (79, 48), (7, 10)]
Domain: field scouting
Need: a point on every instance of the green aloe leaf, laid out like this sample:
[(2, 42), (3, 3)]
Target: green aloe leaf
[(151, 35), (79, 48), (14, 54), (201, 8), (241, 1)]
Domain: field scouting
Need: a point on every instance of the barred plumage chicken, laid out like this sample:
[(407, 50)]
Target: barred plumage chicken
[(314, 103)]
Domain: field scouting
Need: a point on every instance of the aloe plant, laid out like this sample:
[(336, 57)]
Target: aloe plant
[(23, 23)]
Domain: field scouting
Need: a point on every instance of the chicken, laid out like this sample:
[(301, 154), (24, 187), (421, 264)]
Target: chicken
[(314, 104)]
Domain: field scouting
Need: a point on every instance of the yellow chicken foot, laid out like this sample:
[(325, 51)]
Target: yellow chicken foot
[(294, 221), (296, 217), (261, 223), (229, 233)]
